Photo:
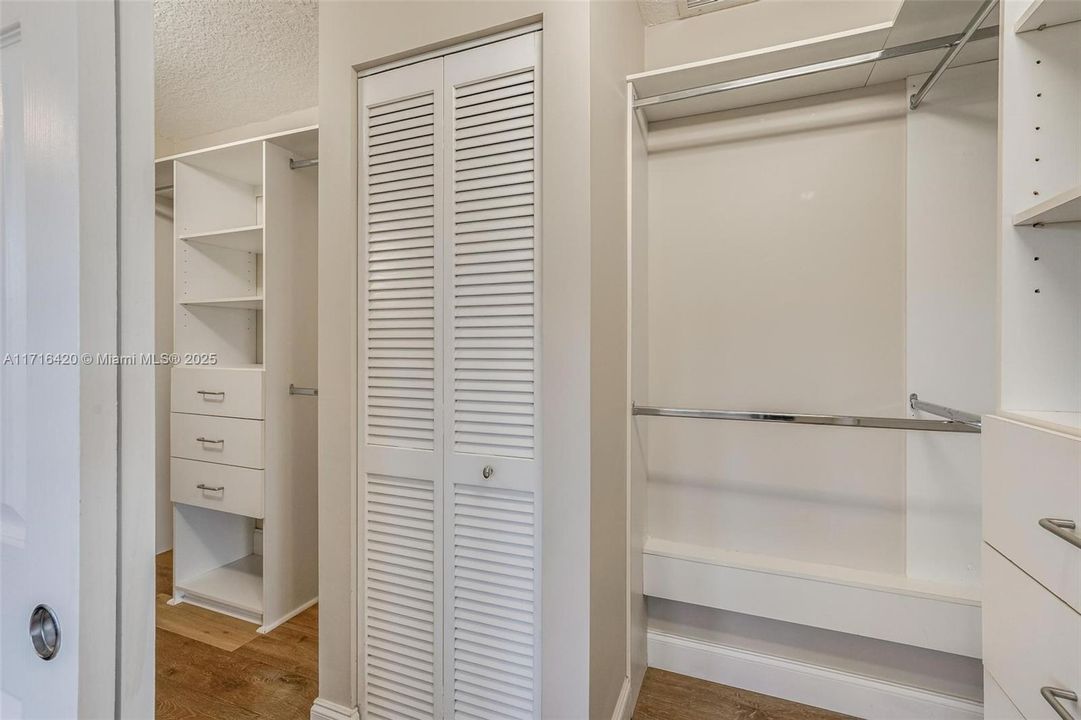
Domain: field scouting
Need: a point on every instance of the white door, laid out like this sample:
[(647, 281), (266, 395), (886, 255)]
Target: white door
[(402, 434), (57, 415), (449, 464), (492, 362)]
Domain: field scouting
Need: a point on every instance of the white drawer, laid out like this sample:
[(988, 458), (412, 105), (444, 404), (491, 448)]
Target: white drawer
[(238, 490), (996, 706), (214, 391), (230, 441), (1031, 639), (1030, 474)]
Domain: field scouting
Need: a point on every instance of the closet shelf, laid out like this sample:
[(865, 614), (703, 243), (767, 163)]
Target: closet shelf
[(1059, 421), (250, 302), (825, 64), (1064, 207), (1047, 13), (873, 604), (247, 239), (238, 585)]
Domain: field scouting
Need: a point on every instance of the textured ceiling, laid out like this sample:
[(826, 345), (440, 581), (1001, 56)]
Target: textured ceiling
[(220, 64)]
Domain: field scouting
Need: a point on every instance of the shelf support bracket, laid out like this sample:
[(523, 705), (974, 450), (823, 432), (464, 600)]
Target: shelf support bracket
[(951, 55)]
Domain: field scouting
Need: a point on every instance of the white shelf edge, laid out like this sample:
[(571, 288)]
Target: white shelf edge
[(1064, 207), (223, 146), (245, 302), (818, 572), (1065, 422), (249, 367), (224, 231), (1042, 13)]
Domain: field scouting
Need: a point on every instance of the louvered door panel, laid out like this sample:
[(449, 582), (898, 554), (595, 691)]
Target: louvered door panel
[(402, 428), (491, 367)]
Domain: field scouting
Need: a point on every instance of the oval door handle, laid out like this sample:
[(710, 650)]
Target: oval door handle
[(1052, 696), (488, 471), (45, 632), (1064, 529)]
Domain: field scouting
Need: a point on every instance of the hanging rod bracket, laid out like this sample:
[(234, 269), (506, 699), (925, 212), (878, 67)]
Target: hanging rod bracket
[(859, 421), (294, 390), (949, 413), (955, 50)]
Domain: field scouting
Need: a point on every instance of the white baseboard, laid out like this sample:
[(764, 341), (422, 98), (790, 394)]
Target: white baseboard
[(623, 704), (823, 687), (326, 710)]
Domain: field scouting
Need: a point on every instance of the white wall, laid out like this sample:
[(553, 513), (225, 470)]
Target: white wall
[(776, 282)]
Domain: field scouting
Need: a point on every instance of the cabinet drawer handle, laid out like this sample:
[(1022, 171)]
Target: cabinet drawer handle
[(1052, 695), (208, 440), (1063, 529), (216, 393), (203, 486)]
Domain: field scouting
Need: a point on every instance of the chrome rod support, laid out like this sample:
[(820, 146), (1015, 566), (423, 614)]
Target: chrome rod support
[(1054, 696), (1065, 529), (942, 43), (955, 50), (294, 390), (298, 164), (859, 421), (949, 413)]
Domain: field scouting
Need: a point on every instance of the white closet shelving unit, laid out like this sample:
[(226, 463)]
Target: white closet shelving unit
[(243, 468), (929, 607), (1032, 450)]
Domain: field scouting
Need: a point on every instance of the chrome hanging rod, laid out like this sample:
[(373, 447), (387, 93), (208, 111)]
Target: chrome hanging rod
[(162, 188), (860, 421), (949, 413), (298, 164), (944, 64), (942, 43)]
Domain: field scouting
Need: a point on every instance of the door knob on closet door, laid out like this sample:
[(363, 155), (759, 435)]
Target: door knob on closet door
[(488, 471)]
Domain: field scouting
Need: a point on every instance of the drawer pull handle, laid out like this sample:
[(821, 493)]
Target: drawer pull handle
[(216, 393), (202, 486), (1052, 696), (208, 440), (1063, 529)]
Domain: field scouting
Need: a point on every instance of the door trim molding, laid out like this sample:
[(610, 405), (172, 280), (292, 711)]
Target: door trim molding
[(327, 710)]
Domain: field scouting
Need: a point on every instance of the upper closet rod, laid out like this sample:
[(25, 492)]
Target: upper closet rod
[(942, 43), (861, 421), (297, 164), (948, 58)]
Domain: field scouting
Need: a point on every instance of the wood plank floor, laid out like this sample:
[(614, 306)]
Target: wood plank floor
[(275, 676), (668, 696), (269, 676)]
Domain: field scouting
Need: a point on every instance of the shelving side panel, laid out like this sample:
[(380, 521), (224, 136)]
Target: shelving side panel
[(289, 344), (1040, 266)]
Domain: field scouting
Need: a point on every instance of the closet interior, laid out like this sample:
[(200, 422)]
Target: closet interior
[(814, 277), (242, 468)]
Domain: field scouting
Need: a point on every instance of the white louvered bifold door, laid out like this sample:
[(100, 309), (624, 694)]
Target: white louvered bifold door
[(401, 290), (491, 360)]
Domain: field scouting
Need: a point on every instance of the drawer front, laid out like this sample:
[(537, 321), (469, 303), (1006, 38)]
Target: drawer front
[(1030, 474), (210, 391), (996, 706), (229, 441), (228, 489), (1031, 639)]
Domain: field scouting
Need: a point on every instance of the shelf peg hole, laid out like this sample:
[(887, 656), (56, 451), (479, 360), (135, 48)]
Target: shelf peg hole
[(1037, 291)]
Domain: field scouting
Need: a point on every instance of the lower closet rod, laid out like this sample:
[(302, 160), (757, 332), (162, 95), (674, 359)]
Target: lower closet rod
[(860, 421)]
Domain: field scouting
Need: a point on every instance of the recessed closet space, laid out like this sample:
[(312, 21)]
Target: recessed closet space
[(813, 277)]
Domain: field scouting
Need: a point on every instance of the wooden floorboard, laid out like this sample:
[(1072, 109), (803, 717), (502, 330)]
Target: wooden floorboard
[(273, 676), (668, 696)]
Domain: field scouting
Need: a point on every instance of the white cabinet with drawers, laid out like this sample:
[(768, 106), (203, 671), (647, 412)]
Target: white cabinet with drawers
[(242, 445)]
